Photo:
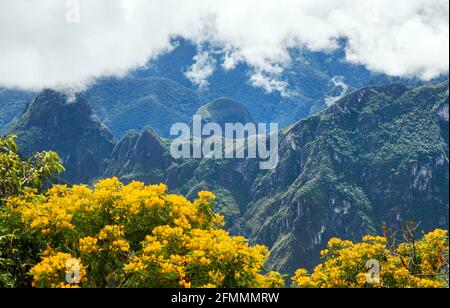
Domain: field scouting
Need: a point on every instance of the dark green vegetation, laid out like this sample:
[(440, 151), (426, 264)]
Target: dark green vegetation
[(17, 178), (52, 122), (17, 175), (12, 104), (379, 155)]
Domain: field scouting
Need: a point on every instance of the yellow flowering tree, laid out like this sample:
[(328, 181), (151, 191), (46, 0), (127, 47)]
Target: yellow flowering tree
[(372, 264), (17, 177), (117, 235)]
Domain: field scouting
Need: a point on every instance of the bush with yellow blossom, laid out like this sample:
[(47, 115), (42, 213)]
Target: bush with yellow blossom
[(117, 235), (18, 177), (421, 264)]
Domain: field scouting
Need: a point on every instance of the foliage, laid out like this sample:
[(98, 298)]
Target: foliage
[(17, 177), (133, 103), (16, 174), (421, 264), (117, 235)]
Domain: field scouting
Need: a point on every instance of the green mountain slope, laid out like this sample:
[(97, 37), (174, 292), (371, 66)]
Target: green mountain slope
[(380, 155), (133, 103), (140, 156), (53, 122), (12, 103)]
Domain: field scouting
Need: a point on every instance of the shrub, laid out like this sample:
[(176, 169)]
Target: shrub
[(117, 235), (414, 264), (17, 175)]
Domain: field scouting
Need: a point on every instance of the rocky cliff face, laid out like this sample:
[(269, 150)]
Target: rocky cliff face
[(145, 156), (54, 122), (378, 156), (140, 156)]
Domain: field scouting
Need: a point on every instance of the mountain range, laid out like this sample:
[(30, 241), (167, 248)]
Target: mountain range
[(161, 94), (378, 155)]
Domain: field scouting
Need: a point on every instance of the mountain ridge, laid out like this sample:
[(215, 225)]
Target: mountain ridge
[(133, 103), (54, 121), (378, 155)]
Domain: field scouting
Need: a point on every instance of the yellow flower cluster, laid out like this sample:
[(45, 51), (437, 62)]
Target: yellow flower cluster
[(55, 271), (137, 236), (111, 233), (412, 265), (134, 235), (430, 250), (120, 246), (273, 280), (88, 245), (201, 258), (52, 216), (206, 196)]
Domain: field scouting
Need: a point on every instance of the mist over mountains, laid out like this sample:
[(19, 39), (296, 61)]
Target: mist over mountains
[(162, 94), (403, 38)]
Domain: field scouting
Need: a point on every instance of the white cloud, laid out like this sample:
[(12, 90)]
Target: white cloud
[(201, 70), (269, 83), (338, 82), (39, 49)]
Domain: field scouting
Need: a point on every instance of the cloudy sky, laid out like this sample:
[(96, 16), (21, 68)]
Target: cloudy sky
[(40, 46)]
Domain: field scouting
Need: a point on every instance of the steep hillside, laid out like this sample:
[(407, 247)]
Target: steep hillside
[(140, 156), (53, 122), (133, 103), (379, 155), (12, 103), (122, 104)]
